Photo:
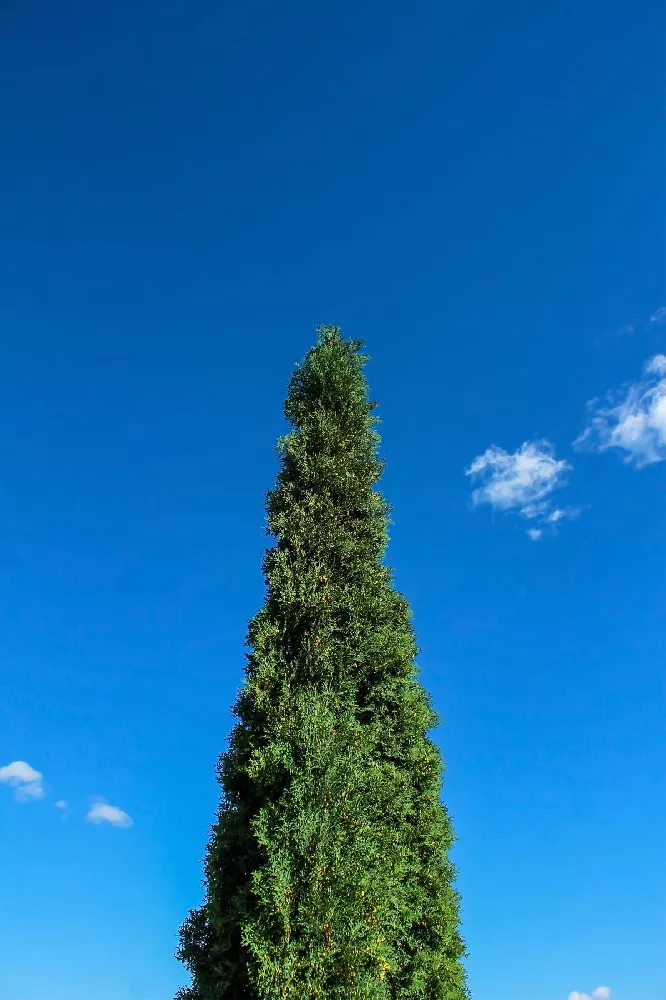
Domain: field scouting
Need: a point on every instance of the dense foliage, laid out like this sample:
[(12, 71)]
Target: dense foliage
[(327, 873)]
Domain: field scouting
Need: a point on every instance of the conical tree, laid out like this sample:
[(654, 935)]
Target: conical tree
[(327, 874)]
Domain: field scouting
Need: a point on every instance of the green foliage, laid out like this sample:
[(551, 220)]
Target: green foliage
[(328, 873)]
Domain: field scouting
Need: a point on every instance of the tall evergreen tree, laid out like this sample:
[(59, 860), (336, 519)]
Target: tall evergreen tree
[(327, 874)]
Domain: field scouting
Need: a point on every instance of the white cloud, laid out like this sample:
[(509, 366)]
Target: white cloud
[(632, 420), (18, 773), (656, 365), (60, 804), (102, 812), (601, 993), (659, 315), (534, 533), (29, 791), (27, 783), (521, 481)]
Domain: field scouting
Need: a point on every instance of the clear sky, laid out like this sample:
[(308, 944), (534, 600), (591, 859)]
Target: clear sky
[(476, 190)]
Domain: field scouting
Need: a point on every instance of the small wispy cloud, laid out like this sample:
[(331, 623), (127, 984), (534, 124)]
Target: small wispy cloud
[(601, 993), (635, 327), (28, 784), (521, 482), (60, 804), (631, 420), (101, 812)]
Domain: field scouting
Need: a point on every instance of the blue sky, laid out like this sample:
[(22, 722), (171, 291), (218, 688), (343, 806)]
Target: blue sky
[(476, 190)]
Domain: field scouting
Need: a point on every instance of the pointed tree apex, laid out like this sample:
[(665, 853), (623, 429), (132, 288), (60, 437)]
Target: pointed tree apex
[(327, 334)]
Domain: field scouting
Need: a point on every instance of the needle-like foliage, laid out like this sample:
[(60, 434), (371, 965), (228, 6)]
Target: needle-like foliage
[(327, 874)]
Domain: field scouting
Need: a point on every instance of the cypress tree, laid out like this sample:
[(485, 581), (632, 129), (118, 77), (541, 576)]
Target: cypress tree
[(327, 873)]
